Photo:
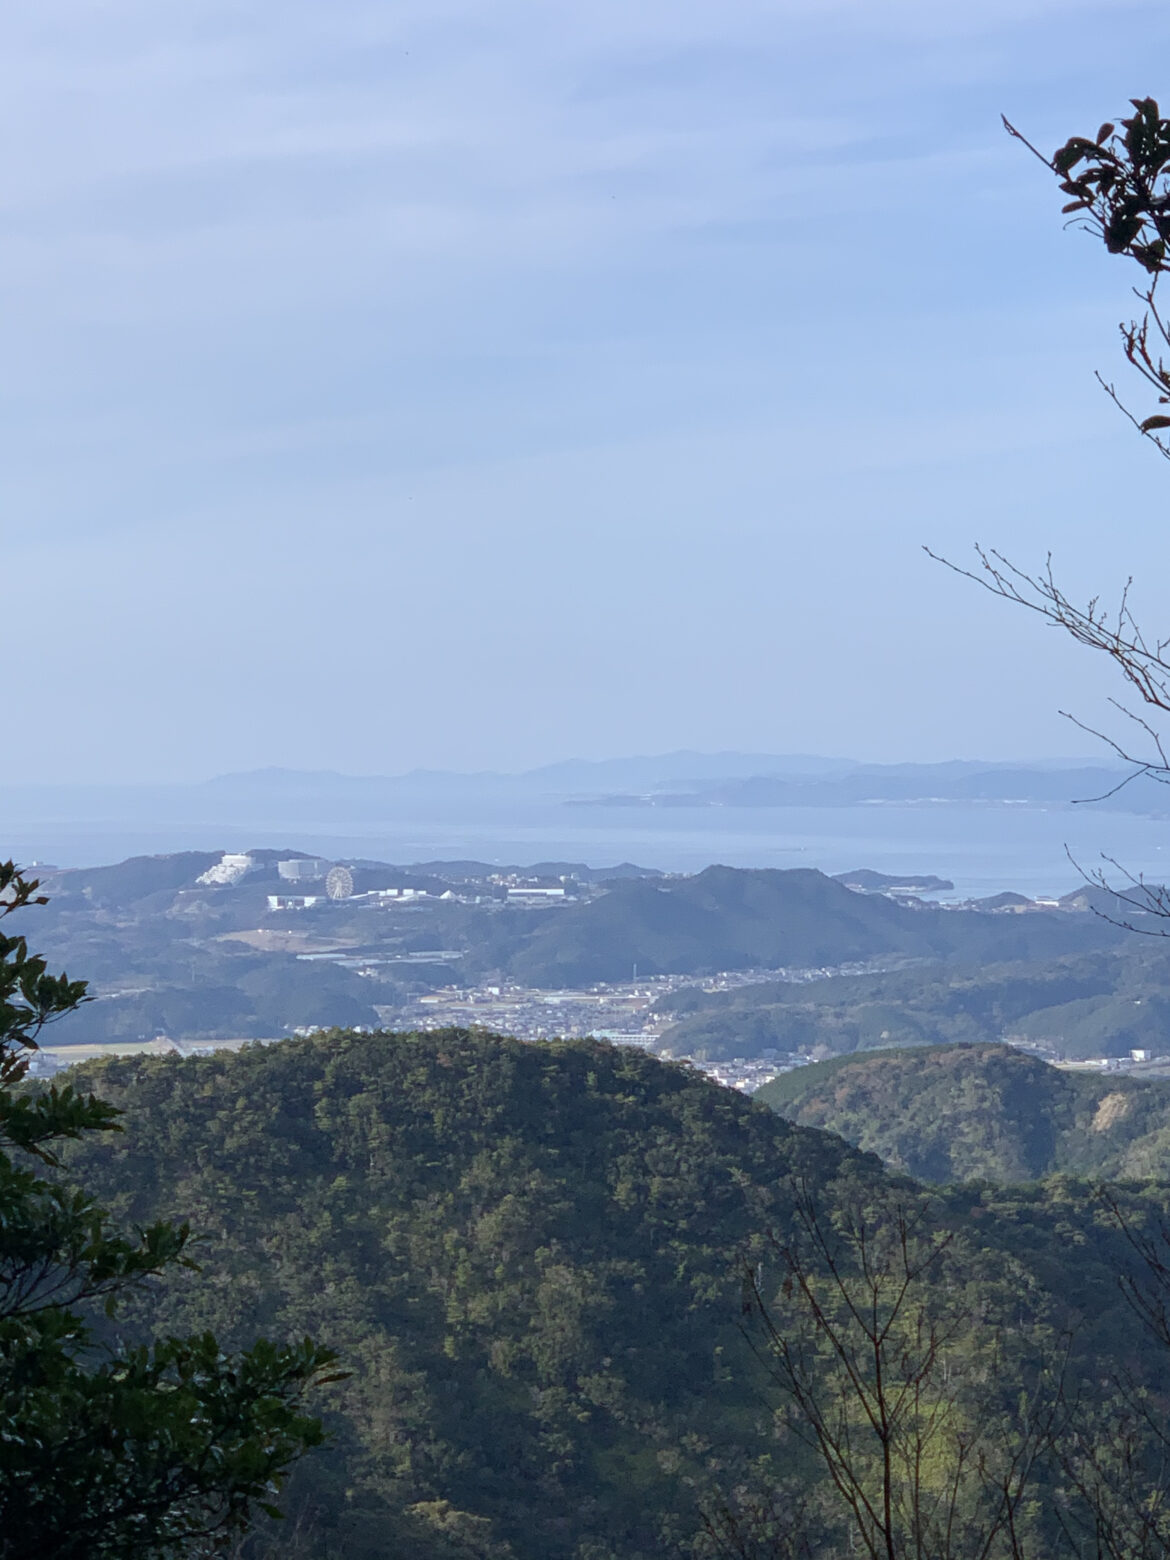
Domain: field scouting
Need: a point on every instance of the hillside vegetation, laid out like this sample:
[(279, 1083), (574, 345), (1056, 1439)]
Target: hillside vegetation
[(525, 1254), (529, 1257), (1099, 1003), (729, 918), (988, 1112)]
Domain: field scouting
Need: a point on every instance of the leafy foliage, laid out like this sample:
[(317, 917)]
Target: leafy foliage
[(1119, 181), (144, 1451), (1118, 184)]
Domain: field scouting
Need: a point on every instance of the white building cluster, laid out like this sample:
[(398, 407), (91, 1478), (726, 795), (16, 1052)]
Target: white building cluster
[(303, 869), (228, 870)]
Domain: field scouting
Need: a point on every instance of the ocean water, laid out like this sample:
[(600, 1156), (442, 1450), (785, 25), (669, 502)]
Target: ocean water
[(983, 849)]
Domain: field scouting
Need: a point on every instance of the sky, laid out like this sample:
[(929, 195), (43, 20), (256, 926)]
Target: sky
[(480, 383)]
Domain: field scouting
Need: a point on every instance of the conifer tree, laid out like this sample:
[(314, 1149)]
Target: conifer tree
[(109, 1452)]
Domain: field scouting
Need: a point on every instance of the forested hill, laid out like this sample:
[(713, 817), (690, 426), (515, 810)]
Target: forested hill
[(1106, 1002), (728, 918), (961, 1112), (529, 1257), (526, 1254)]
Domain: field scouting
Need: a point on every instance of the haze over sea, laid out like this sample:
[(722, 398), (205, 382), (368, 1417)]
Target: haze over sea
[(983, 848)]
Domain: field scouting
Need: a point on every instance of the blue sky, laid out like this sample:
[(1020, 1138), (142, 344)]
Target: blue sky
[(479, 384)]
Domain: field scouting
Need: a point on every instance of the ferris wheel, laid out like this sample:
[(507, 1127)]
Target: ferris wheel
[(339, 883)]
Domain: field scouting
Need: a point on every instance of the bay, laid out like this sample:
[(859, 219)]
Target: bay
[(983, 849)]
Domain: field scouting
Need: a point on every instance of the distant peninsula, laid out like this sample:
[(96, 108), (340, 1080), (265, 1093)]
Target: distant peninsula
[(865, 881), (964, 784)]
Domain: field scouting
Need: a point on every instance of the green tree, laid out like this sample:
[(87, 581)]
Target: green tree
[(105, 1450)]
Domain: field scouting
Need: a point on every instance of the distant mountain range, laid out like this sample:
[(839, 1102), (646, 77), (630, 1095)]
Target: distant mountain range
[(557, 781), (679, 774), (671, 779), (705, 779)]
